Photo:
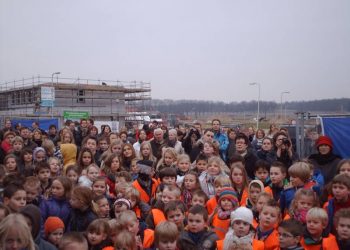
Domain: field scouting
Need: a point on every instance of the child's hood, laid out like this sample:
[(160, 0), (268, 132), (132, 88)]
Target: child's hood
[(33, 213)]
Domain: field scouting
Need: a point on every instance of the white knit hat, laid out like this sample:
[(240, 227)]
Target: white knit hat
[(243, 214)]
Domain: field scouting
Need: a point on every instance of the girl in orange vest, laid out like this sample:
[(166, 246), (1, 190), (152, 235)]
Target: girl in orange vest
[(190, 184), (220, 219), (220, 182), (303, 201), (239, 179), (241, 231)]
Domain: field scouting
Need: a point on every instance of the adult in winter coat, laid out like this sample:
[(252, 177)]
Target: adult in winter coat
[(325, 160)]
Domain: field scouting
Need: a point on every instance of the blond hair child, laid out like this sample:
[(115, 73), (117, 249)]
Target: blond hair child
[(316, 235), (166, 235)]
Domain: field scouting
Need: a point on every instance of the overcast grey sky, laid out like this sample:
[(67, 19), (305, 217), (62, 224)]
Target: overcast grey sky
[(187, 49)]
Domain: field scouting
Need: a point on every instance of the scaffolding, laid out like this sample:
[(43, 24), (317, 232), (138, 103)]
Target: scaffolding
[(100, 96)]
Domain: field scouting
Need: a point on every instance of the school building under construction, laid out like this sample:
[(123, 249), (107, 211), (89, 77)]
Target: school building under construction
[(67, 98)]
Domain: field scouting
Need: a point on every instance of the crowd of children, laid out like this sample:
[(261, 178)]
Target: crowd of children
[(109, 196)]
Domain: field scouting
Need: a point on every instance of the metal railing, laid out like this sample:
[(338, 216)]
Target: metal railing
[(37, 80)]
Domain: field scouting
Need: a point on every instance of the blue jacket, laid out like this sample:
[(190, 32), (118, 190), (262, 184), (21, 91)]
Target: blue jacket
[(55, 207), (80, 220), (223, 141)]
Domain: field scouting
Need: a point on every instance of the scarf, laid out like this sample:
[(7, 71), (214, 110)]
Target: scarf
[(224, 215), (323, 159), (210, 184), (263, 235), (310, 241), (187, 196), (232, 240), (300, 215)]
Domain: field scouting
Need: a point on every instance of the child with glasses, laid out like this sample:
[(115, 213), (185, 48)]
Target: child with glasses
[(289, 234)]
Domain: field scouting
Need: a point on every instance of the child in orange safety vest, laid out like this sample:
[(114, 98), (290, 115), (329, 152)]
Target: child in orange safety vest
[(270, 216), (144, 183), (241, 232), (156, 216), (220, 219), (316, 237)]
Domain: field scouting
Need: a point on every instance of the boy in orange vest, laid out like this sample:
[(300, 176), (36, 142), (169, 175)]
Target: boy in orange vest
[(289, 234), (241, 231), (341, 198), (145, 183), (270, 216), (315, 236), (170, 193), (220, 219), (342, 225)]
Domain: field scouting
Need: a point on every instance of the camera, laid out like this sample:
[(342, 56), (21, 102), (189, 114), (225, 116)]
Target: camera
[(286, 142)]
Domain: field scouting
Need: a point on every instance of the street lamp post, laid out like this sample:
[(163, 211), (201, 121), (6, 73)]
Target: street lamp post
[(257, 118), (282, 93), (52, 91)]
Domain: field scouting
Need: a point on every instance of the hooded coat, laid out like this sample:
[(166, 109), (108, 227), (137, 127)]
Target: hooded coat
[(33, 213)]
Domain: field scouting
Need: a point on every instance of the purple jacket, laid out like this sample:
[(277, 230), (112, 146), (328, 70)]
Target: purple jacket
[(55, 207)]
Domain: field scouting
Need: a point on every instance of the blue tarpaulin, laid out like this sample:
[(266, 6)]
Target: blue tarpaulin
[(338, 129), (43, 123)]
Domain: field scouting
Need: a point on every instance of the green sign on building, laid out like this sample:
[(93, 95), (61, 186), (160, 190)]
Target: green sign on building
[(75, 115)]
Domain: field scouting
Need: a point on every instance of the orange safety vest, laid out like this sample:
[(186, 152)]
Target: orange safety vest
[(328, 243), (220, 227), (244, 198), (158, 216), (143, 195), (257, 245), (255, 223), (137, 211), (268, 190), (211, 205), (148, 238), (272, 241)]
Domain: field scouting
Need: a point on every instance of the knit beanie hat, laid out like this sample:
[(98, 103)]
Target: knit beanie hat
[(122, 201), (257, 182), (228, 193), (145, 166), (243, 214), (36, 150), (324, 140), (52, 223)]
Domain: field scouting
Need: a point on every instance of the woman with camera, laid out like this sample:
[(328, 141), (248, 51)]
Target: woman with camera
[(284, 149)]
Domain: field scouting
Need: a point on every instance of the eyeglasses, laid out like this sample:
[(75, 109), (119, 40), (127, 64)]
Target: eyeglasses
[(284, 235)]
